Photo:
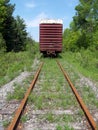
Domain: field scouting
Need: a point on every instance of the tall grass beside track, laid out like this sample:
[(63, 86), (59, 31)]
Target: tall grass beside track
[(85, 62), (12, 64)]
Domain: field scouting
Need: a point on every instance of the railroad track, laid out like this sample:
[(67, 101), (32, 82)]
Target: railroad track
[(14, 123)]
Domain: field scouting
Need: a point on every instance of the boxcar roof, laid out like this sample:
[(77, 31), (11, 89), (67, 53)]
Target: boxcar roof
[(51, 21)]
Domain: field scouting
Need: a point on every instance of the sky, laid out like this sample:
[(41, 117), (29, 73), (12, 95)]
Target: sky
[(32, 11)]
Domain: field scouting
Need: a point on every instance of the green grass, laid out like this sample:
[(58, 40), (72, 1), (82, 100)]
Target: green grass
[(85, 62), (53, 93), (6, 123), (72, 64), (18, 92), (12, 64), (66, 127), (89, 97), (24, 118)]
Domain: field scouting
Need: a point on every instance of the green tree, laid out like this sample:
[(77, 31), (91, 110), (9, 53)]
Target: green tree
[(6, 20), (3, 14), (86, 20), (70, 40), (20, 34), (2, 44)]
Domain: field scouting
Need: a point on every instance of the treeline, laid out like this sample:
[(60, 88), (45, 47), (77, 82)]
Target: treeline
[(13, 34), (83, 31)]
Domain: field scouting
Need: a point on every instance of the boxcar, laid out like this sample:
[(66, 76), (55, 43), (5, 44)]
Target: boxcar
[(50, 36)]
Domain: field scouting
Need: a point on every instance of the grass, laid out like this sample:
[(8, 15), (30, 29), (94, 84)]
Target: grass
[(85, 62), (66, 127), (89, 97), (6, 123), (24, 118), (18, 92), (53, 93), (12, 64), (72, 63)]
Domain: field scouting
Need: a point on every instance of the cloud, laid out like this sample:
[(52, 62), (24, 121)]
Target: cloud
[(35, 22), (30, 5)]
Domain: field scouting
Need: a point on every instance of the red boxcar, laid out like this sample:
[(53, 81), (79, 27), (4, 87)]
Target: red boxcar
[(50, 36)]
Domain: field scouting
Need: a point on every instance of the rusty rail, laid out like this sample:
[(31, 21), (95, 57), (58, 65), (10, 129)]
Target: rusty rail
[(15, 121), (80, 101)]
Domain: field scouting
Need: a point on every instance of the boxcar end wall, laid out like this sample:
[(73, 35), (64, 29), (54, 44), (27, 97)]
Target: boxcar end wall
[(50, 37)]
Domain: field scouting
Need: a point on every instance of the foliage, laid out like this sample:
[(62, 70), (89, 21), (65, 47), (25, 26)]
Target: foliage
[(95, 39), (85, 61), (18, 93), (2, 44), (12, 64), (12, 30), (31, 46), (70, 40), (83, 29), (24, 118), (20, 34), (6, 19), (6, 123), (6, 11)]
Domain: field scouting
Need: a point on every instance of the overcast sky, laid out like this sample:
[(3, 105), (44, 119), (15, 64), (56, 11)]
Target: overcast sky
[(34, 10)]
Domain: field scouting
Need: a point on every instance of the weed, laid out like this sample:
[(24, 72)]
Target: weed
[(50, 117), (59, 127), (65, 127), (24, 118), (6, 123), (12, 64), (17, 94)]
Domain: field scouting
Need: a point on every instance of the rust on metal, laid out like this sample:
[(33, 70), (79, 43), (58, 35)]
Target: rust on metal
[(79, 99), (19, 111)]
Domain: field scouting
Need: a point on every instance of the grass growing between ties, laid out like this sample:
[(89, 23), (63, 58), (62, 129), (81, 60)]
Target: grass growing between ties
[(52, 93), (66, 127)]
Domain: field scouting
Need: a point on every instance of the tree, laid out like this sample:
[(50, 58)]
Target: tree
[(20, 34), (86, 20), (70, 39), (2, 44), (6, 20)]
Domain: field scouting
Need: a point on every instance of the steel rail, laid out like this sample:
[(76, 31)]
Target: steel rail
[(13, 125), (80, 101)]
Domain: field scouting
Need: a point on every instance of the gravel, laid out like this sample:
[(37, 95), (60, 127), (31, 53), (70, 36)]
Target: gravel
[(87, 82), (8, 108)]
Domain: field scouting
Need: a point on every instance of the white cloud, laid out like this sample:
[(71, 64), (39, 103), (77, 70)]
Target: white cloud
[(30, 5), (35, 22)]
